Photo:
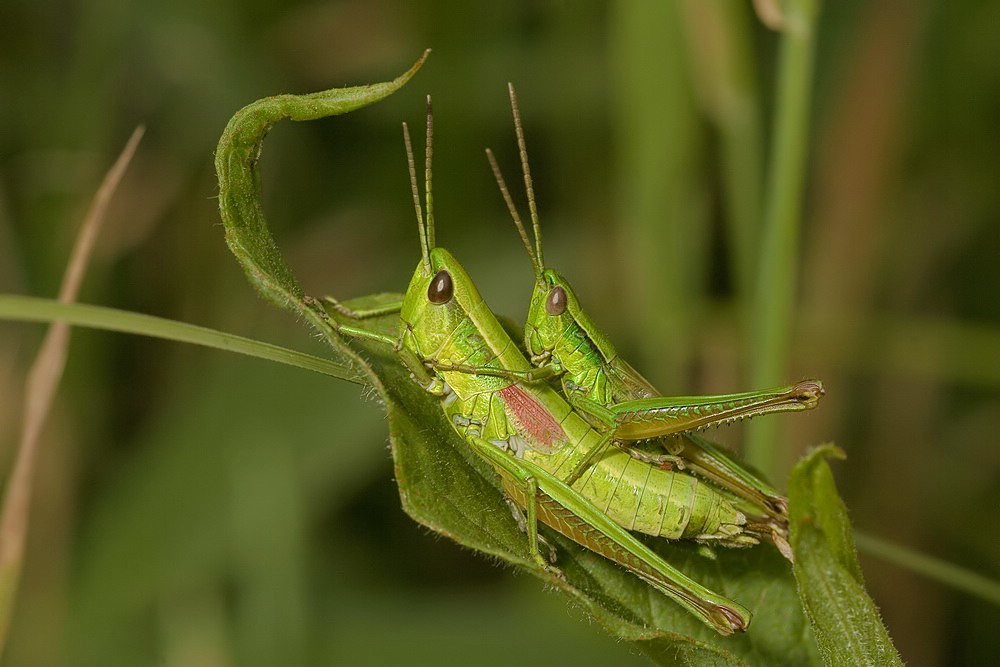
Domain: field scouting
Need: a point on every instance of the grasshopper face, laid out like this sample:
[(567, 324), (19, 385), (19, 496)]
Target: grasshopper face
[(439, 298), (552, 311), (556, 323)]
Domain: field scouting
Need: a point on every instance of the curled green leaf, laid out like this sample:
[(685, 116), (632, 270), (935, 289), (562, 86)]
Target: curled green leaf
[(236, 166)]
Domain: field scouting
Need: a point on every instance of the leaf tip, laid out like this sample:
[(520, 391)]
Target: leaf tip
[(827, 450), (414, 68)]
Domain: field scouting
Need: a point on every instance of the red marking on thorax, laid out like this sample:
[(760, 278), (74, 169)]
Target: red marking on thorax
[(537, 425)]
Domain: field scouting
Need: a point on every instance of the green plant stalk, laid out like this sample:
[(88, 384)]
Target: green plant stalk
[(33, 309), (777, 268), (935, 569)]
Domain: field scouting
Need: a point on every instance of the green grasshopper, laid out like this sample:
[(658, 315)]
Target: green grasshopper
[(561, 339), (541, 447)]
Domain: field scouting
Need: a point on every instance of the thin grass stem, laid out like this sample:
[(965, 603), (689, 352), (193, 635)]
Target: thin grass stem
[(32, 309), (40, 390)]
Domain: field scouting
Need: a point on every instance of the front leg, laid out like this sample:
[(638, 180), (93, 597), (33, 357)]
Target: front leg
[(419, 373), (359, 314)]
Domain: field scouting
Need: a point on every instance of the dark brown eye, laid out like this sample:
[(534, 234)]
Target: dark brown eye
[(441, 288), (556, 303)]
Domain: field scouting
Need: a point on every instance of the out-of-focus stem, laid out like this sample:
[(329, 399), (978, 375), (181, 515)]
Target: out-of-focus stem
[(660, 215), (41, 386), (777, 268), (721, 46), (941, 571)]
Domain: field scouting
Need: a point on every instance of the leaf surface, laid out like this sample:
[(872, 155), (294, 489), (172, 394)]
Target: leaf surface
[(843, 617)]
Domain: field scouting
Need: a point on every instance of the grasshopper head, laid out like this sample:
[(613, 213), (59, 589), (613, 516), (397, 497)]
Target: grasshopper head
[(441, 294), (439, 298), (554, 315), (551, 314)]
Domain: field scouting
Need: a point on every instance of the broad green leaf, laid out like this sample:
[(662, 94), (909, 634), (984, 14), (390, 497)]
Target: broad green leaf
[(447, 488), (844, 619)]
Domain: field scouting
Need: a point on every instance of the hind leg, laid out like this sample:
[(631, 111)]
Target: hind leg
[(522, 523)]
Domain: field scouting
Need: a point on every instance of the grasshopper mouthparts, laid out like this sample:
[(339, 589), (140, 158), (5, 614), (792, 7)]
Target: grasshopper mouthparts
[(808, 393)]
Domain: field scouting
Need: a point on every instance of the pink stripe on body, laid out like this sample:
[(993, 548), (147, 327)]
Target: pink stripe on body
[(535, 423)]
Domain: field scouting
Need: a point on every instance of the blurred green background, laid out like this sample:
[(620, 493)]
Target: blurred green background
[(193, 508)]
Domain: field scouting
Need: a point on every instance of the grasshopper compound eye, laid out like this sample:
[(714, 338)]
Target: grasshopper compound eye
[(441, 288), (555, 304)]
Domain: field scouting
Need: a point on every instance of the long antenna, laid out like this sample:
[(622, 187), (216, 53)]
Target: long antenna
[(513, 212), (424, 248), (535, 226), (428, 158)]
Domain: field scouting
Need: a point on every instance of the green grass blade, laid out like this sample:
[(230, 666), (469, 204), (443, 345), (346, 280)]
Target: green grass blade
[(33, 309)]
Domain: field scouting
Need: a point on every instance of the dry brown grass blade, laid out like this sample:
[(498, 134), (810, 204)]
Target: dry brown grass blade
[(43, 380)]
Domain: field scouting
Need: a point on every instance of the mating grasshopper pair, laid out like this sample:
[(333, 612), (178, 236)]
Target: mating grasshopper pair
[(559, 336), (555, 451)]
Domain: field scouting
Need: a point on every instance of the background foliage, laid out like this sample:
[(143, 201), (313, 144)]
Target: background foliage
[(197, 508)]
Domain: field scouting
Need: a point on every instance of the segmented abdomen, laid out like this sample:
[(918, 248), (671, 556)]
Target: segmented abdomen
[(641, 497), (570, 525)]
